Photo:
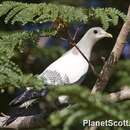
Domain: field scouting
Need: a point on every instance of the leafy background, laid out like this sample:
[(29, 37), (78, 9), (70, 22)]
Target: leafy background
[(31, 38)]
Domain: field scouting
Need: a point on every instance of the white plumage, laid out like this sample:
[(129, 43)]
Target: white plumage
[(69, 68), (72, 64)]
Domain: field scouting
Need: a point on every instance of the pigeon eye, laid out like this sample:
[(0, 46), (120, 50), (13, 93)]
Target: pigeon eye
[(95, 31)]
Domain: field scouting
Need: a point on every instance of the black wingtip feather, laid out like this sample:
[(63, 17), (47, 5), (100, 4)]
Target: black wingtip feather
[(28, 95)]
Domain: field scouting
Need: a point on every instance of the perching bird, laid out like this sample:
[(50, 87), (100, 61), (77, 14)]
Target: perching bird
[(68, 69)]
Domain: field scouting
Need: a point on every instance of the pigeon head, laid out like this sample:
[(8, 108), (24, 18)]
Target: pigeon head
[(90, 38), (97, 33)]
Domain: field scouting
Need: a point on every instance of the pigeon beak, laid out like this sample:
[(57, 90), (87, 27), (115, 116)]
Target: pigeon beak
[(108, 35)]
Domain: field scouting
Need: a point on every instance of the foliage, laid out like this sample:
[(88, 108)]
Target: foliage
[(120, 76), (107, 16), (39, 13), (10, 73), (86, 106)]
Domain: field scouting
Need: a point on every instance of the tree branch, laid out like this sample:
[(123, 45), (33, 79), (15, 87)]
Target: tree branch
[(113, 58), (122, 95), (25, 122)]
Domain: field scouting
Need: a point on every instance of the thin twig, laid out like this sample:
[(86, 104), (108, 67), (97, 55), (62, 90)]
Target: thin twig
[(75, 34)]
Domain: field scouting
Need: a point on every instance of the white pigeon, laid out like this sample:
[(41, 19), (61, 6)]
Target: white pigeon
[(69, 68)]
